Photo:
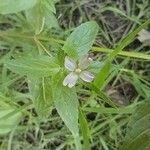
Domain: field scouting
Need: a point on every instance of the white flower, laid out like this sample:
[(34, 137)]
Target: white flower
[(78, 69), (144, 37)]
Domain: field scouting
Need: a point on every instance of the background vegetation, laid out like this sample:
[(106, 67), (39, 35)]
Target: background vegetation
[(37, 113)]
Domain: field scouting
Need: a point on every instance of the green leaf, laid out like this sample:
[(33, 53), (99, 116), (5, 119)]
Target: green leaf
[(34, 87), (39, 66), (138, 135), (121, 13), (36, 17), (9, 123), (105, 110), (102, 95), (66, 103), (102, 75), (45, 98), (14, 6), (85, 130), (81, 39), (51, 21), (50, 4), (41, 15)]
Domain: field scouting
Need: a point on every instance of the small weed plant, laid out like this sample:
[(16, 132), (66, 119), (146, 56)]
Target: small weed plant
[(60, 83)]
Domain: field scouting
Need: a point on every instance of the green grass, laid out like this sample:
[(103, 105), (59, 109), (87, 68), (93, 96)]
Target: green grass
[(122, 83)]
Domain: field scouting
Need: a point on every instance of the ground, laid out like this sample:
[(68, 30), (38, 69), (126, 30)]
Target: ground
[(125, 86)]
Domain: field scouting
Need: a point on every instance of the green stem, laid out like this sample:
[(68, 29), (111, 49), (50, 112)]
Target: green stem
[(129, 53)]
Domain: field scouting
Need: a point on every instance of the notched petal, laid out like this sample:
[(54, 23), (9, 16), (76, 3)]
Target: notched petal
[(84, 62), (70, 64), (70, 79), (143, 35), (87, 76)]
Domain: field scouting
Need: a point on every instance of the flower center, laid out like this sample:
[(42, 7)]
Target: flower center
[(78, 70)]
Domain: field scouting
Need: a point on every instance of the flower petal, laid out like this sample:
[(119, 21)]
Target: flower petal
[(86, 76), (70, 79), (143, 35), (84, 62), (70, 64)]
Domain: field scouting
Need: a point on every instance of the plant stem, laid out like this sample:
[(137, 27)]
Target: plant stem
[(129, 53)]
